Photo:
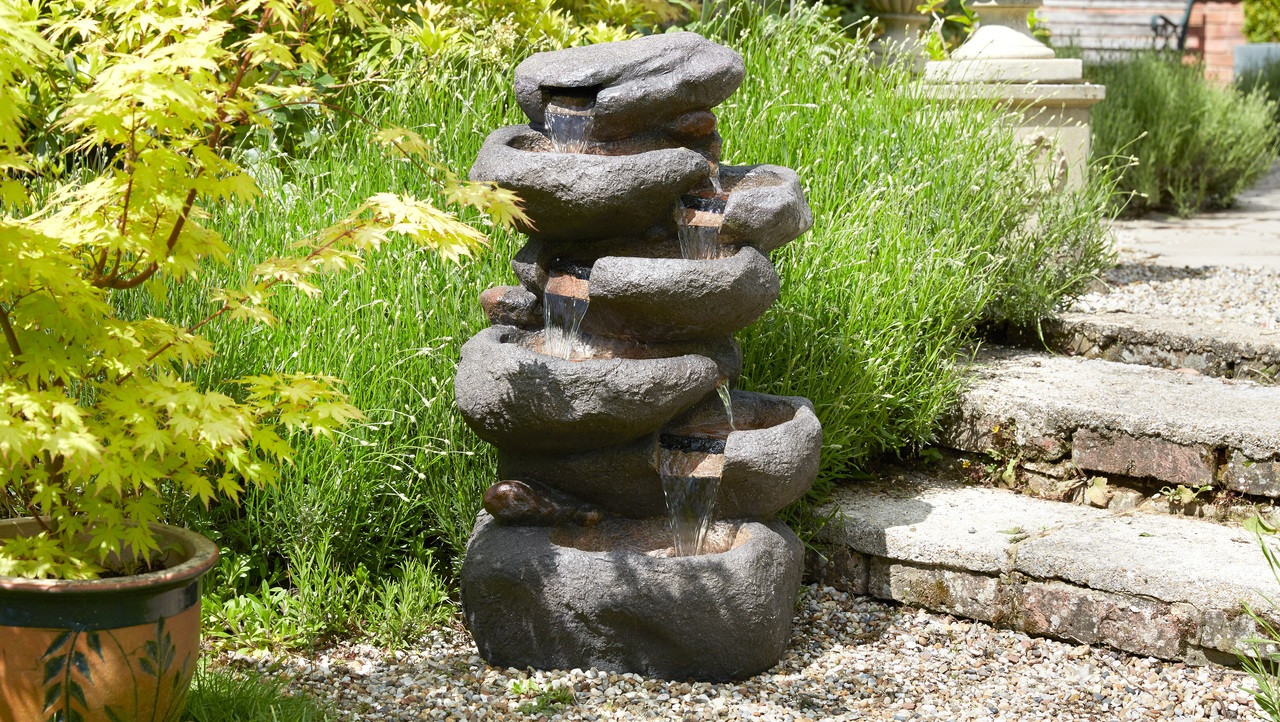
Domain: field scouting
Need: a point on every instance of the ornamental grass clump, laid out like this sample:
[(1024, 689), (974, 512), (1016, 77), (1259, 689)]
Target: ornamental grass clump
[(98, 417), (1178, 142)]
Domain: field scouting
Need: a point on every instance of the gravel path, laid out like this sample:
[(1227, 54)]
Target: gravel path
[(850, 659), (1222, 266), (1223, 293)]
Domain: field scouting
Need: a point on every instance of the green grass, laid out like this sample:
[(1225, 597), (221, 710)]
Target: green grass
[(927, 220), (1197, 145), (226, 695)]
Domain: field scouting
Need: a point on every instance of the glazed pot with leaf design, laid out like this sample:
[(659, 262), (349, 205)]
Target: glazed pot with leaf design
[(122, 648)]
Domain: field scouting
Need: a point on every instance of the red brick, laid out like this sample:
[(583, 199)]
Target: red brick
[(1147, 457)]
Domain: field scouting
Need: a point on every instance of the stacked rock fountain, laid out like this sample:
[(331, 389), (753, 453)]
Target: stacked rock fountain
[(634, 528)]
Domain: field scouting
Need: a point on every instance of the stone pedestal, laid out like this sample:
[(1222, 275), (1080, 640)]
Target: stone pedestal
[(1003, 61)]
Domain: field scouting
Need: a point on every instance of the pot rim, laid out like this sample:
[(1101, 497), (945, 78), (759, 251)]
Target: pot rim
[(199, 555)]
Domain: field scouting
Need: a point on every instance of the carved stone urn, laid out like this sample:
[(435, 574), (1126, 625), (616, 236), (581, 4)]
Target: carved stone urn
[(903, 25), (632, 528)]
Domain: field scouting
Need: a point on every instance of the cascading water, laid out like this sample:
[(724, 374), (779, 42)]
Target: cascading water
[(698, 228), (568, 131), (563, 316), (690, 468), (725, 398), (569, 122), (564, 304)]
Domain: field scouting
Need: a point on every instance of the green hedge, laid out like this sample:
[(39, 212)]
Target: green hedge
[(1262, 21), (1179, 142)]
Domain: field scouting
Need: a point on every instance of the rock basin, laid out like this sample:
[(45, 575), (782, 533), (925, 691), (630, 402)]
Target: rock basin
[(609, 598), (769, 462)]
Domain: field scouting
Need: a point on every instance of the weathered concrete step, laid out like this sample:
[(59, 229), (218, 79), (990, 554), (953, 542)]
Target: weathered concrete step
[(1108, 418), (1168, 587), (1228, 350)]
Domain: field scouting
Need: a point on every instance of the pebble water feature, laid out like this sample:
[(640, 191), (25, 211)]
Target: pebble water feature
[(634, 527)]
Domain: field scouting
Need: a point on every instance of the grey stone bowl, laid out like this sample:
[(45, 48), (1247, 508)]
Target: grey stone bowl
[(519, 399), (770, 462), (765, 206), (665, 299), (579, 196), (578, 598), (635, 85), (772, 459)]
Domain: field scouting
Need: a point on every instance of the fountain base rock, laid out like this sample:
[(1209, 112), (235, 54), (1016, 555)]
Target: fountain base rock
[(611, 597)]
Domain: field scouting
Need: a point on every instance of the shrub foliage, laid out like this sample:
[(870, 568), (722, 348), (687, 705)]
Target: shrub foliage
[(1178, 142), (1262, 21), (98, 414)]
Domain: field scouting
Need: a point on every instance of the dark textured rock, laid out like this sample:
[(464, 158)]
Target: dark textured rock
[(531, 504), (622, 480), (638, 84), (574, 196), (766, 207), (772, 459), (516, 398), (532, 602), (512, 306), (674, 299), (515, 306), (665, 299)]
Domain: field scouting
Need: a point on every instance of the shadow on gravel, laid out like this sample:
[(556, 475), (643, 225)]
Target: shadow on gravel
[(1126, 273)]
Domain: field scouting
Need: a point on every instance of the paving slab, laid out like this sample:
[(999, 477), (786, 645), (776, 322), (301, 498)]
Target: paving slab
[(1164, 586), (1247, 235), (1213, 348), (1157, 556), (1114, 418)]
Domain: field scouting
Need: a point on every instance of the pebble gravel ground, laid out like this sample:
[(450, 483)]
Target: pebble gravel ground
[(1240, 295), (851, 658)]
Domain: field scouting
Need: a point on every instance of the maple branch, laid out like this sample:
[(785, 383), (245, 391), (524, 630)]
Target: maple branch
[(215, 140), (133, 169), (9, 335), (227, 306)]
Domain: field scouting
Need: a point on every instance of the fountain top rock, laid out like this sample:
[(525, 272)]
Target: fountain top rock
[(637, 84)]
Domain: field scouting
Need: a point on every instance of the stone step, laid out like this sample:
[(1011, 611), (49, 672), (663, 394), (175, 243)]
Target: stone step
[(1149, 584), (1059, 415), (1228, 350)]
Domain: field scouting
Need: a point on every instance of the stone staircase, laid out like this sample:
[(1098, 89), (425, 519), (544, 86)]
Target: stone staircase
[(1097, 500), (1227, 350)]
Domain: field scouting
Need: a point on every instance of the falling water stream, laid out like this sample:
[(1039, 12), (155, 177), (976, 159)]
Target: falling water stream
[(725, 398), (690, 468), (563, 316), (698, 228), (565, 299), (568, 128)]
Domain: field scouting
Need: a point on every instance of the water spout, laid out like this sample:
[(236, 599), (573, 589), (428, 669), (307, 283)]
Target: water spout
[(569, 120), (568, 131), (690, 468), (563, 315), (564, 304), (698, 228)]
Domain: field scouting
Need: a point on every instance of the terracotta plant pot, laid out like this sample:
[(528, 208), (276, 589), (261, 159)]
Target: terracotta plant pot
[(111, 649)]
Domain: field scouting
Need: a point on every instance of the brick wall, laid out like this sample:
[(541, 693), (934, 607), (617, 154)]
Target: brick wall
[(1217, 27), (1106, 27)]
